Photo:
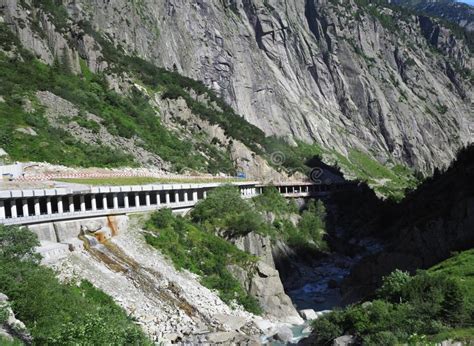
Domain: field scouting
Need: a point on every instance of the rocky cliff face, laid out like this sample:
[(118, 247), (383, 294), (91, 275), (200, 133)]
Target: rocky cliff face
[(265, 283), (336, 73), (424, 229)]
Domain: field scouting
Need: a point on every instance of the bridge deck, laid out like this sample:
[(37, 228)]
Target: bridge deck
[(24, 207)]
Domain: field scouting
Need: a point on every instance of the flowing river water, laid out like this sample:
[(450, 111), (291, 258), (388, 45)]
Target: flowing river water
[(319, 288)]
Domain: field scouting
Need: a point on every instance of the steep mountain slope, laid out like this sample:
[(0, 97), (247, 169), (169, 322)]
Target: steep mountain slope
[(342, 74), (357, 81), (450, 10), (426, 227)]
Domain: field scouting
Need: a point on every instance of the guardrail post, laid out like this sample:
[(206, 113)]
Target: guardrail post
[(37, 207), (115, 201), (93, 203), (49, 207), (26, 212), (82, 203), (71, 204), (126, 202), (104, 202), (13, 209), (60, 205), (147, 199), (137, 200), (2, 210)]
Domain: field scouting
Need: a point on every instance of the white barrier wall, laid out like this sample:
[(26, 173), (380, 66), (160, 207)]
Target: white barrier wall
[(14, 170), (21, 207)]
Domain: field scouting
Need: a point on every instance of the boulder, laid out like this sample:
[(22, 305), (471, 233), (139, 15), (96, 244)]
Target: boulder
[(12, 328), (172, 337), (232, 322), (222, 337), (284, 334), (308, 314), (344, 340)]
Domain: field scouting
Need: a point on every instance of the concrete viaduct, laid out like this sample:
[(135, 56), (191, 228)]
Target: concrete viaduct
[(27, 207)]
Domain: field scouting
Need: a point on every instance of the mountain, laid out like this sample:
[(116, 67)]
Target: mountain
[(425, 228), (346, 78), (452, 11)]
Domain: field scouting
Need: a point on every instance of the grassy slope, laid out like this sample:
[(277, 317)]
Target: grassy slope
[(127, 117), (461, 268)]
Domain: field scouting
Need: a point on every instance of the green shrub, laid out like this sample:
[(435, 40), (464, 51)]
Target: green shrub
[(410, 308), (328, 327), (312, 223), (385, 338), (393, 285), (224, 209), (272, 201)]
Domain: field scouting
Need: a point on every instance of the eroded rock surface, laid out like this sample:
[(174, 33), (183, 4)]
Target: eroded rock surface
[(319, 71)]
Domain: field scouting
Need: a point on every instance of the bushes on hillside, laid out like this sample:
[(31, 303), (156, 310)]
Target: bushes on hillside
[(408, 306), (204, 253), (312, 224), (224, 209), (272, 201)]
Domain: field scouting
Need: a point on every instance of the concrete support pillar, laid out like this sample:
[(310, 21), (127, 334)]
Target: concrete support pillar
[(13, 209), (82, 202), (2, 210), (186, 196), (60, 205), (126, 202), (167, 198), (176, 197), (93, 203), (49, 207), (137, 200), (115, 201), (104, 202), (158, 198), (37, 207), (25, 208), (195, 196), (147, 199), (71, 204), (204, 194)]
